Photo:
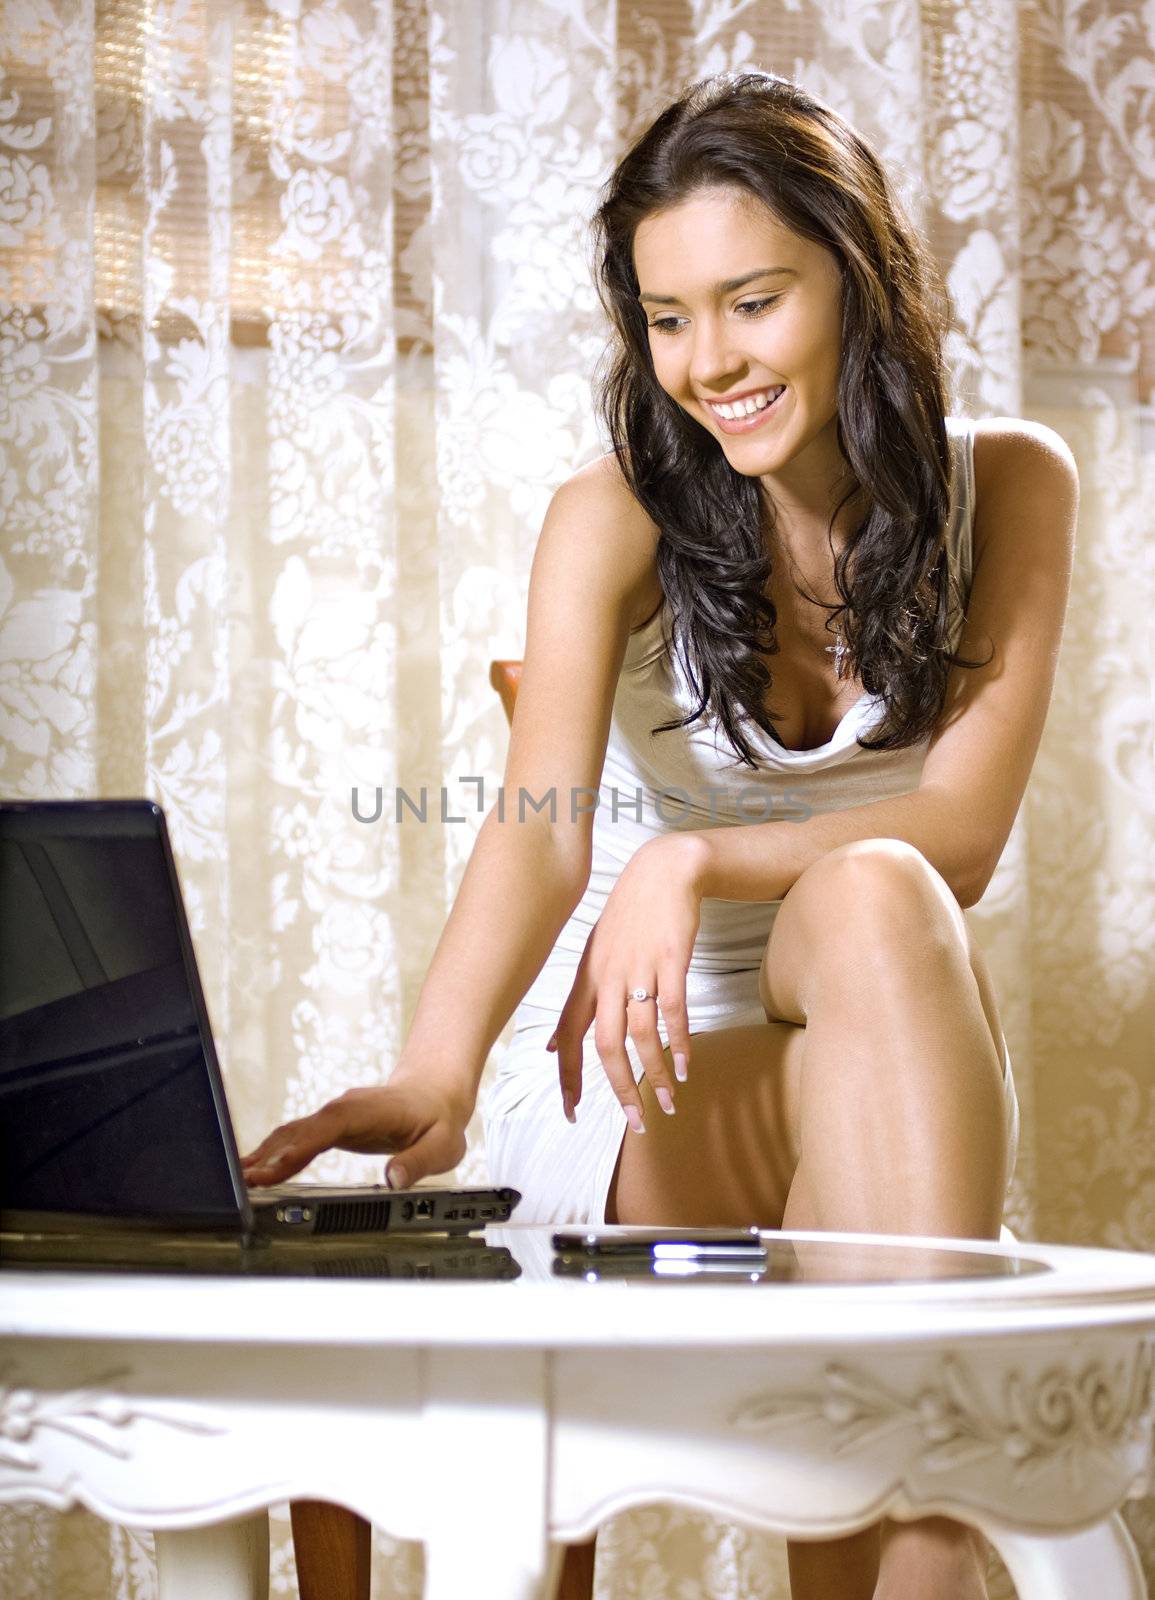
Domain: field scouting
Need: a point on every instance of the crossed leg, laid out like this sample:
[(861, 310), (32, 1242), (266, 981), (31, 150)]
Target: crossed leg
[(872, 1100)]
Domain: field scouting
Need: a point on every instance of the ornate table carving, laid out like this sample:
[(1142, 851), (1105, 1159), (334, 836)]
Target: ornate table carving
[(495, 1420)]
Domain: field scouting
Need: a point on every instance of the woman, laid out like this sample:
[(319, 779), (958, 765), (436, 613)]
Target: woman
[(815, 622)]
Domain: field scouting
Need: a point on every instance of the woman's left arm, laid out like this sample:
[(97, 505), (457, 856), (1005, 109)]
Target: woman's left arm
[(981, 753)]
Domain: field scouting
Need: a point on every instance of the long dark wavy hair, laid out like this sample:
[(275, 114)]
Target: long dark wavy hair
[(765, 134)]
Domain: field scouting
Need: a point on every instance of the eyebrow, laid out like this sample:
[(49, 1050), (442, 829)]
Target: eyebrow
[(723, 288)]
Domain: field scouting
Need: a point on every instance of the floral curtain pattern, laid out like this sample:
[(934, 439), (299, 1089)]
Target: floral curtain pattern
[(296, 334)]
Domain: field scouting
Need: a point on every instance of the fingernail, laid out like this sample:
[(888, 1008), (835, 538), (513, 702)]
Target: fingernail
[(397, 1177), (567, 1103), (680, 1067), (665, 1100), (634, 1118)]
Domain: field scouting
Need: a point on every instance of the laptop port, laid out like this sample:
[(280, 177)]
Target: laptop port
[(488, 1211), (451, 1216), (407, 1210), (466, 1212), (425, 1208)]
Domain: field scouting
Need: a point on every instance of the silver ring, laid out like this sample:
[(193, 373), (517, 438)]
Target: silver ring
[(640, 994)]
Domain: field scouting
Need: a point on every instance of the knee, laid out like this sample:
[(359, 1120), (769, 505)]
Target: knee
[(885, 896)]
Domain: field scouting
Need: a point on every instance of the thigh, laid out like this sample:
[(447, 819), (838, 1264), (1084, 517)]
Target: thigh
[(727, 1156), (841, 891)]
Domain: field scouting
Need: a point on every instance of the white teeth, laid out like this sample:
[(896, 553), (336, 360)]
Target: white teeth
[(745, 408)]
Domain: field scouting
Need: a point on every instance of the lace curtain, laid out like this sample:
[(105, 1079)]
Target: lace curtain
[(296, 334)]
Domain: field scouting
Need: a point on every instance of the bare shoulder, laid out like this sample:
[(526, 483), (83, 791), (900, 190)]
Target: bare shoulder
[(601, 485), (598, 508), (1006, 447), (1023, 469), (593, 559)]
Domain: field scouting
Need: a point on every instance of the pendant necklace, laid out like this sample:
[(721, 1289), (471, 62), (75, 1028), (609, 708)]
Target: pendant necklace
[(840, 650)]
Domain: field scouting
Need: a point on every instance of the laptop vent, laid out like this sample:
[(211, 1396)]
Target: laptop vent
[(354, 1267), (358, 1216)]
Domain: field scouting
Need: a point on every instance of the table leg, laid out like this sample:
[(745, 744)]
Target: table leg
[(228, 1560), (554, 1564), (486, 1435), (486, 1571), (1102, 1561)]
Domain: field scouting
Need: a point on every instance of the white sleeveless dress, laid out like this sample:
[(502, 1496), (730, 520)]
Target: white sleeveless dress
[(652, 784)]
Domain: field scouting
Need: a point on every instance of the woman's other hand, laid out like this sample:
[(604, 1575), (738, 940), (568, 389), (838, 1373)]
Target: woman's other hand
[(419, 1123), (644, 937)]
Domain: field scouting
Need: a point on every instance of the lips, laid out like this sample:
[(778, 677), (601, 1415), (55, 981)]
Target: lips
[(750, 422)]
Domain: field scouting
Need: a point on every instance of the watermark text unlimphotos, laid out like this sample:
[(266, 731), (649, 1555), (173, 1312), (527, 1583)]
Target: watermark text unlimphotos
[(748, 802)]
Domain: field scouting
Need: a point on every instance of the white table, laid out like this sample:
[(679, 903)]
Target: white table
[(493, 1420)]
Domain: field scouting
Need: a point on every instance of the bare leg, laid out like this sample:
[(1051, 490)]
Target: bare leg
[(902, 1102), (834, 1569), (934, 1558), (902, 1119), (727, 1158), (869, 945)]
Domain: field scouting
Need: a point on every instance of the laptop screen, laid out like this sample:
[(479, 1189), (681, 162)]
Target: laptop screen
[(110, 1099)]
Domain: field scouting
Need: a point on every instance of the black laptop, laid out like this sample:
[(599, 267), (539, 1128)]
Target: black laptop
[(112, 1108)]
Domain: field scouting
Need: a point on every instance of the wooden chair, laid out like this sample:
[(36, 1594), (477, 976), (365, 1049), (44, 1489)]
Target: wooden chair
[(334, 1551), (505, 677), (333, 1544)]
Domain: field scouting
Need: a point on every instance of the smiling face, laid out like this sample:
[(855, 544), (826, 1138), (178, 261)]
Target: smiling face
[(724, 326)]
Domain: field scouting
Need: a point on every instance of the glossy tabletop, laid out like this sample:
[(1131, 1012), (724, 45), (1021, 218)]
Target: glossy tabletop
[(842, 1378)]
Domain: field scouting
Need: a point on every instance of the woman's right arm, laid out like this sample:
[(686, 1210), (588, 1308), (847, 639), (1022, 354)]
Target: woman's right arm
[(527, 871)]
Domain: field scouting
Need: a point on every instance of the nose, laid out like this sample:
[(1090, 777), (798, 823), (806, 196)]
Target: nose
[(713, 362)]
